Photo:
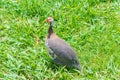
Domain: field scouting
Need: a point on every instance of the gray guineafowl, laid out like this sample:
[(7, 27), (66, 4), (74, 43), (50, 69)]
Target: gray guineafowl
[(59, 50)]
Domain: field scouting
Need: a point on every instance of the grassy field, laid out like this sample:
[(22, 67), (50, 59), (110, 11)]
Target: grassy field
[(91, 27)]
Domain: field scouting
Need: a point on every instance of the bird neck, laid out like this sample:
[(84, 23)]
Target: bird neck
[(50, 30)]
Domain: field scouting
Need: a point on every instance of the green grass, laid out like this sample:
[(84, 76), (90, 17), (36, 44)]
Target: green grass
[(91, 27)]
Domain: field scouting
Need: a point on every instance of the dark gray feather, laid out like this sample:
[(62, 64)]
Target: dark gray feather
[(63, 51)]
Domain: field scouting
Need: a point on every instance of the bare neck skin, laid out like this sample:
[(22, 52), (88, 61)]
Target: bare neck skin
[(50, 30)]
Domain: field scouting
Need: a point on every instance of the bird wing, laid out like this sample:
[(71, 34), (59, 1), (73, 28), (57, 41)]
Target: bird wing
[(62, 50)]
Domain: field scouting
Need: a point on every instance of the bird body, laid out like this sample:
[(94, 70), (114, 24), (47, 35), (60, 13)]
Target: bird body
[(59, 50)]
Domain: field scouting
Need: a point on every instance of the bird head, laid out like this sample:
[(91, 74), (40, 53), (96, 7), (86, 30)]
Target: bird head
[(49, 20)]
